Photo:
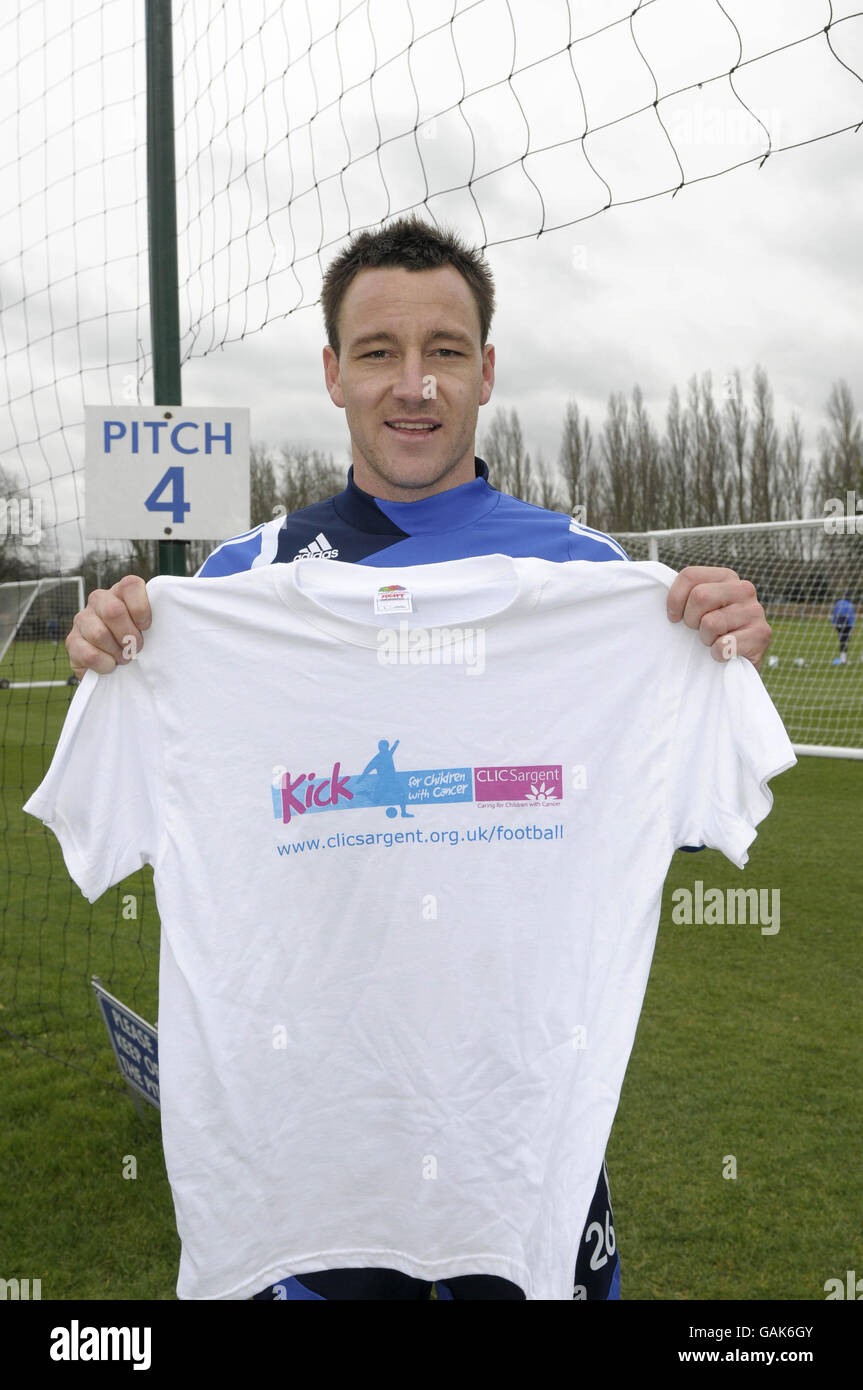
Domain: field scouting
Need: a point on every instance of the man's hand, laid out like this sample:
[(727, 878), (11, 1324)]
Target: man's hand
[(100, 633), (720, 604)]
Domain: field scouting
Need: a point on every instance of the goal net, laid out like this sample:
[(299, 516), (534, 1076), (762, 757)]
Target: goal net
[(35, 615), (801, 570)]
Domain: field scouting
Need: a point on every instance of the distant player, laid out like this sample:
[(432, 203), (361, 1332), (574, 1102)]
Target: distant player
[(843, 621)]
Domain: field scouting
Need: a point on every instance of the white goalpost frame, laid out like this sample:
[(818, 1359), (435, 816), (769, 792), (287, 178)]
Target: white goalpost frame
[(830, 525), (39, 586), (807, 523)]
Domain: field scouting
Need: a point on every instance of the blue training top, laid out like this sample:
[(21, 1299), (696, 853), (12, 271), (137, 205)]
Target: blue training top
[(843, 612), (473, 519)]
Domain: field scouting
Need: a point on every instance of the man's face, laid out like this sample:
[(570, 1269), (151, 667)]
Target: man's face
[(410, 352)]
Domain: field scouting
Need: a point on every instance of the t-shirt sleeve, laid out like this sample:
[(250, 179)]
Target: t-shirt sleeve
[(101, 793), (728, 742)]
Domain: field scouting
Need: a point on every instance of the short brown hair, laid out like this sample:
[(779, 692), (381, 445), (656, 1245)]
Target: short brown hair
[(414, 244)]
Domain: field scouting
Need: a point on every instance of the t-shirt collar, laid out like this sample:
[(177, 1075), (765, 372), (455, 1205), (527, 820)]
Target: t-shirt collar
[(466, 577)]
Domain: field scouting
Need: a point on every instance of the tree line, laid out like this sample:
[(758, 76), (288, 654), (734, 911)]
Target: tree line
[(717, 462), (718, 459)]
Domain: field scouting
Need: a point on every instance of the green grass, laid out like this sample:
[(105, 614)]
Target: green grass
[(819, 703), (748, 1045), (51, 938), (35, 661), (67, 1214)]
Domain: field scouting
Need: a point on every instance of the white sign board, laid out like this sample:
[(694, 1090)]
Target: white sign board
[(166, 472)]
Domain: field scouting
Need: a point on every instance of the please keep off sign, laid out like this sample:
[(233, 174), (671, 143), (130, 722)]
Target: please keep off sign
[(166, 472)]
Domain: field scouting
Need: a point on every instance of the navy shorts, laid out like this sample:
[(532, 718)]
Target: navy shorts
[(597, 1272)]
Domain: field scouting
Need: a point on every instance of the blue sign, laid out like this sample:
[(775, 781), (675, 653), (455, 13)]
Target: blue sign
[(134, 1042)]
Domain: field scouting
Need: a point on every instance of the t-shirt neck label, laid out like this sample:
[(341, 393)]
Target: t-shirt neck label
[(393, 598)]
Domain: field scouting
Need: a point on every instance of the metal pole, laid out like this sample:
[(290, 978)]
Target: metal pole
[(162, 229)]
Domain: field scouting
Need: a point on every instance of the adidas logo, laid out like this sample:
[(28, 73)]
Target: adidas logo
[(318, 549)]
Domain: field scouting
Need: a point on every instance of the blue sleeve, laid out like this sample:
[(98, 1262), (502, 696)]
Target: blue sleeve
[(232, 556)]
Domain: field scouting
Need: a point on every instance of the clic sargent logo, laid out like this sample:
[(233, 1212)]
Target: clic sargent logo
[(398, 791), (511, 786)]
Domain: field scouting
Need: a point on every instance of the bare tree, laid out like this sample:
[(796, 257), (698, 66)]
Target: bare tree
[(677, 462), (794, 474), (508, 462), (736, 426), (841, 446), (100, 567), (263, 485), (718, 484), (616, 453), (698, 485), (306, 476), (648, 467), (764, 454), (579, 472), (143, 559)]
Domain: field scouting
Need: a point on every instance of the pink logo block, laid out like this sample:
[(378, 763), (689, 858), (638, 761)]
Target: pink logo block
[(534, 783)]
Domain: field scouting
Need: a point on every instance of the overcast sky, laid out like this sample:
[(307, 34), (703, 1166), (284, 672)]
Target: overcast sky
[(758, 265)]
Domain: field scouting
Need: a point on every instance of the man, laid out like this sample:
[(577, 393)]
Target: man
[(407, 312), (843, 620)]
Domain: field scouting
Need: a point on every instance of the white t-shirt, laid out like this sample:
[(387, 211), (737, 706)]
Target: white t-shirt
[(408, 866)]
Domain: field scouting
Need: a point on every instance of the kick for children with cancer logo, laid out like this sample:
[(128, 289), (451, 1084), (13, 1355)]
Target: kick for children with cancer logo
[(380, 785)]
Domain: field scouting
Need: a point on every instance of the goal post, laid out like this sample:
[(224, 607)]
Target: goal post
[(35, 615), (802, 569)]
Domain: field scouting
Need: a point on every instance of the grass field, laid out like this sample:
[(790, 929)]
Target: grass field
[(748, 1046), (819, 703)]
